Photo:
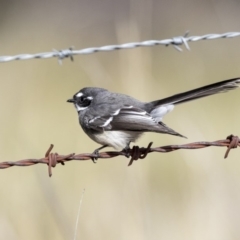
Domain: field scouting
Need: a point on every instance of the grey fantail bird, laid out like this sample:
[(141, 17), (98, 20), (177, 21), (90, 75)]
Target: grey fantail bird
[(115, 120)]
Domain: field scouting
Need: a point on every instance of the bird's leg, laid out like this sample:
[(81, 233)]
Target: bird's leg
[(96, 152), (127, 149)]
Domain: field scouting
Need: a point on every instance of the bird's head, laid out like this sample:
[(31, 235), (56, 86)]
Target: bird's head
[(83, 98)]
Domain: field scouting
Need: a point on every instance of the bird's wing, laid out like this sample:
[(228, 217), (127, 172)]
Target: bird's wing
[(129, 118)]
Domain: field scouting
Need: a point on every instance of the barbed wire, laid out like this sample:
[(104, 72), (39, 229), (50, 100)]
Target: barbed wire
[(52, 159), (69, 53)]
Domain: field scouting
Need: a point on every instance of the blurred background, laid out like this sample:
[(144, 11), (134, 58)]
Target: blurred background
[(180, 195)]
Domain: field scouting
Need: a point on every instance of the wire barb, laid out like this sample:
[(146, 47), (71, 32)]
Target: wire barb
[(175, 41), (52, 159), (234, 143), (65, 53), (180, 40), (139, 153)]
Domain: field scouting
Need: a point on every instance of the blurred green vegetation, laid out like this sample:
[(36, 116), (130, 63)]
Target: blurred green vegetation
[(180, 195)]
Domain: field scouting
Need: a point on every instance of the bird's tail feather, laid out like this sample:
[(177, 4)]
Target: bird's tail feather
[(205, 91), (165, 129)]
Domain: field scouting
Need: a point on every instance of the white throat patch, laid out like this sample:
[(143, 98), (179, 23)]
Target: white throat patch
[(79, 108)]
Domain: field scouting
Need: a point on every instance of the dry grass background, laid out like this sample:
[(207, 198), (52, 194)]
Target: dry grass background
[(180, 195)]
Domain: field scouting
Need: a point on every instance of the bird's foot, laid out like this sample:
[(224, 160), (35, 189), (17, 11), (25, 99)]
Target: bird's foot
[(96, 153), (127, 150)]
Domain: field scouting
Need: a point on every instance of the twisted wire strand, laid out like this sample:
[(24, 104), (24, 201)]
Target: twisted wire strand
[(69, 53), (52, 159)]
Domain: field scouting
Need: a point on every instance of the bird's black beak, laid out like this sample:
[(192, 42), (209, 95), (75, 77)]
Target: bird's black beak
[(70, 100)]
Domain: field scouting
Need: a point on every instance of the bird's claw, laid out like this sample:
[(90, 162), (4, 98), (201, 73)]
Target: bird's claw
[(127, 150), (96, 153), (95, 158)]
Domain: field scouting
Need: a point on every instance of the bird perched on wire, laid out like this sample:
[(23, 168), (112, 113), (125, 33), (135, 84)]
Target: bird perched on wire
[(115, 120)]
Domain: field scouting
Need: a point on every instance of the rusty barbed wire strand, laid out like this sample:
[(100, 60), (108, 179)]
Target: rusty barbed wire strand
[(52, 159), (69, 53)]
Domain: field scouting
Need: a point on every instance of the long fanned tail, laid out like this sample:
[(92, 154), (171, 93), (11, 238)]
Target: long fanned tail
[(201, 92)]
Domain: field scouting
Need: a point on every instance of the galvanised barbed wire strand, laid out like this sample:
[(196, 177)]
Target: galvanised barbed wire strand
[(52, 159), (175, 41)]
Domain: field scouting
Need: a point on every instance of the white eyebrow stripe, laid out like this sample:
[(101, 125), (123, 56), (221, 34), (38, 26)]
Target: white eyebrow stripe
[(107, 122), (79, 94), (90, 98)]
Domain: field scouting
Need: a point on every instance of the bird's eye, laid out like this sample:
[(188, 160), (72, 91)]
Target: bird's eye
[(82, 99)]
